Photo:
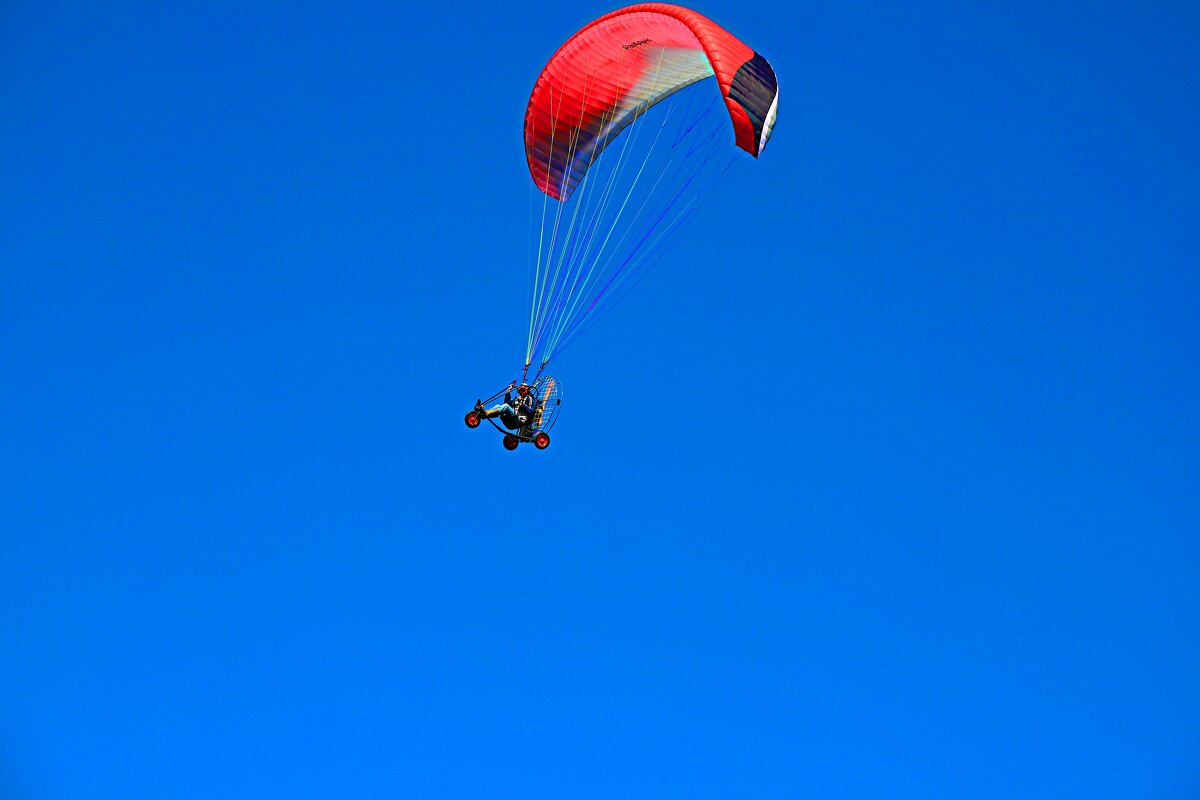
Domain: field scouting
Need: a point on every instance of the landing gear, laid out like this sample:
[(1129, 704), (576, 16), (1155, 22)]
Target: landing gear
[(510, 442), (472, 419), (542, 440)]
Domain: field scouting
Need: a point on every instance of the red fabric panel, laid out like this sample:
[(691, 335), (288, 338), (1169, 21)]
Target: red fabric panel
[(594, 70)]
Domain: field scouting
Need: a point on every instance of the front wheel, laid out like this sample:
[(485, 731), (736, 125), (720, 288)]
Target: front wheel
[(472, 419), (510, 442), (541, 441)]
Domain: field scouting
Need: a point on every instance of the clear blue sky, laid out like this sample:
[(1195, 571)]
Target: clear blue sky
[(257, 260)]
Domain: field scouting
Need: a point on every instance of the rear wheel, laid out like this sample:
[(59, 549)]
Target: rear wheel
[(472, 419), (510, 442), (541, 441)]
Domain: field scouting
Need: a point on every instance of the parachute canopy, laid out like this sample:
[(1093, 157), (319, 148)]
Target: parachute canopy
[(684, 91), (616, 67)]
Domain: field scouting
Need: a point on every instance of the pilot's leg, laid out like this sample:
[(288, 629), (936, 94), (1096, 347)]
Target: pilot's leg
[(498, 410)]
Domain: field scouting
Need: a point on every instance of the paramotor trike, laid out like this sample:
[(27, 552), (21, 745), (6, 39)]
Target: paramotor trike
[(534, 429)]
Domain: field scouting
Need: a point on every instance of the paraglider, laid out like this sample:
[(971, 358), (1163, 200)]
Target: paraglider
[(677, 84)]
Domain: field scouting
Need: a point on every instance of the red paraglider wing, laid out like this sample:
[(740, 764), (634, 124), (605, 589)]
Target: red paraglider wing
[(621, 64)]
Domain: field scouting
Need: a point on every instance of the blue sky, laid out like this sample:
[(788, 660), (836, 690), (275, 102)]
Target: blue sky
[(906, 507)]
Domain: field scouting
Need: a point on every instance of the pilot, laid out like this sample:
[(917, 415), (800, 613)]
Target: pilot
[(513, 416)]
